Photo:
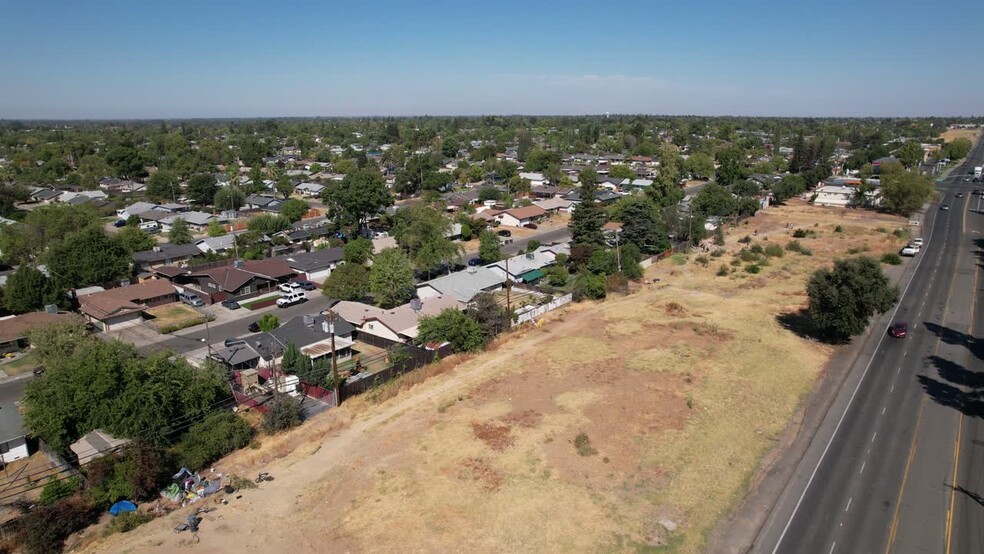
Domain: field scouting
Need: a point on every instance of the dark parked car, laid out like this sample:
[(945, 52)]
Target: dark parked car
[(898, 330), (230, 304), (306, 285), (474, 262), (504, 233), (530, 225), (119, 223), (254, 327)]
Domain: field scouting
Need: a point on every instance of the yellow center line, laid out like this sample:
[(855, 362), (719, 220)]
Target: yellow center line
[(922, 403), (956, 445)]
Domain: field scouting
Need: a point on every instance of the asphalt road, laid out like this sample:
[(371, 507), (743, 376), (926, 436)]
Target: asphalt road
[(896, 465)]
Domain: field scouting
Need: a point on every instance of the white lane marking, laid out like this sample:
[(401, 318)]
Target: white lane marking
[(891, 390), (849, 503), (873, 436), (832, 545), (883, 411), (850, 401), (862, 467), (905, 353)]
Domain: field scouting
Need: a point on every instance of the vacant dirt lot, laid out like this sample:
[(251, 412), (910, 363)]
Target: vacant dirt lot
[(616, 426), (951, 134)]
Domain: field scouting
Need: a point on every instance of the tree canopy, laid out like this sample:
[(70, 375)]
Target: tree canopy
[(349, 281), (88, 257), (391, 278), (843, 299), (358, 196), (422, 232), (453, 326), (905, 192), (201, 188)]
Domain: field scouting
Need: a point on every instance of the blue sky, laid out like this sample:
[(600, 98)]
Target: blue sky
[(152, 59)]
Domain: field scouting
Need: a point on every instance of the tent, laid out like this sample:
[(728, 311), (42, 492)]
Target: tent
[(121, 507)]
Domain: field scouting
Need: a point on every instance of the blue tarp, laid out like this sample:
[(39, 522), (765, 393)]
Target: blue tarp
[(121, 507)]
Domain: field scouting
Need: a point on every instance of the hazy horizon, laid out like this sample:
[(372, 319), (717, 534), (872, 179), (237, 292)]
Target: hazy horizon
[(223, 60)]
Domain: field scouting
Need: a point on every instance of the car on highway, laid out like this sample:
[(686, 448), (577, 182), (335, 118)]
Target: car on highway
[(254, 327), (230, 304), (290, 299), (909, 250), (306, 285), (959, 195), (505, 233), (898, 330), (966, 179), (944, 207), (288, 288)]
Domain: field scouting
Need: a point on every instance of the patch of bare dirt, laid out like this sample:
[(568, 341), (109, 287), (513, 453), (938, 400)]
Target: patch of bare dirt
[(497, 437), (479, 469)]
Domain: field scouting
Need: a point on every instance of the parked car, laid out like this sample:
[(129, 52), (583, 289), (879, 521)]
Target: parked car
[(306, 285), (909, 251), (505, 233), (119, 223), (291, 299), (288, 288), (230, 304), (254, 327), (918, 242), (530, 225), (898, 330), (190, 298), (475, 261)]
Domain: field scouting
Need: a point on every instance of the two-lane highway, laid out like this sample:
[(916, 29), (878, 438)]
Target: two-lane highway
[(882, 480)]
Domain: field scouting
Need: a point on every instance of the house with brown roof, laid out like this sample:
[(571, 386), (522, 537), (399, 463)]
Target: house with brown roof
[(14, 329), (125, 306), (517, 217), (242, 279)]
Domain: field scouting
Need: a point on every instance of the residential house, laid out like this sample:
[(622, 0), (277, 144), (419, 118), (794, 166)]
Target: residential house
[(119, 186), (311, 190), (843, 196), (317, 265), (125, 306), (462, 285), (136, 208), (13, 434), (311, 334), (877, 164), (525, 268), (535, 179), (165, 254), (197, 221), (518, 217), (264, 203), (14, 328), (555, 205), (217, 245), (398, 325), (242, 279), (82, 197), (44, 195)]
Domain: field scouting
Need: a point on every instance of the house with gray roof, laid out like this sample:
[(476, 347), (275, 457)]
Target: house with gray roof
[(316, 264), (524, 267), (165, 254), (198, 221), (462, 285), (310, 333), (136, 208)]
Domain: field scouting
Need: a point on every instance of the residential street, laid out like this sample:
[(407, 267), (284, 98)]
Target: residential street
[(896, 465)]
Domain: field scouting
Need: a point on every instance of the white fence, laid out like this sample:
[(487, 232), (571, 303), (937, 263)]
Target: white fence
[(536, 311)]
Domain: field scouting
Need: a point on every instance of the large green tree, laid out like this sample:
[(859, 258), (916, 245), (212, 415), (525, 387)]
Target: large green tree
[(202, 188), (641, 226), (422, 232), (293, 210), (134, 240), (714, 199), (229, 198), (910, 154), (391, 278), (588, 217), (348, 281), (179, 233), (29, 290), (905, 192), (700, 166), (843, 299), (453, 326), (489, 247), (162, 186), (358, 196), (86, 258)]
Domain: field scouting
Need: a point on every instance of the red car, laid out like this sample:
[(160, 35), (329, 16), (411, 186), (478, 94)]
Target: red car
[(898, 330)]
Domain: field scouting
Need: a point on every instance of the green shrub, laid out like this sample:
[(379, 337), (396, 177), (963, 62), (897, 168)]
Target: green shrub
[(838, 229), (804, 233), (679, 259), (774, 251), (583, 445), (752, 268), (702, 260), (268, 322), (127, 521), (617, 282), (284, 413), (795, 246), (757, 248), (588, 286), (736, 262), (722, 271), (717, 253), (57, 489), (45, 529), (212, 438), (745, 239), (891, 258), (748, 256)]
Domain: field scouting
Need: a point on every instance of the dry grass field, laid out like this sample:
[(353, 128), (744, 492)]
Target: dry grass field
[(173, 317), (617, 426), (950, 134)]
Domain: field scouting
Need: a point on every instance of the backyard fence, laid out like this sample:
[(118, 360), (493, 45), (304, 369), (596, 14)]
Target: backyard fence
[(537, 311)]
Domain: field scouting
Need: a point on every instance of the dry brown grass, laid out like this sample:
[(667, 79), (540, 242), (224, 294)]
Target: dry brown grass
[(678, 388), (951, 134)]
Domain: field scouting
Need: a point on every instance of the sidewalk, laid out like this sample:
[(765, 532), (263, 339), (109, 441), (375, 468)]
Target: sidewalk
[(738, 531)]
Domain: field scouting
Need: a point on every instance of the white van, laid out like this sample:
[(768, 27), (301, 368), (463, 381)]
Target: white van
[(150, 227), (290, 299)]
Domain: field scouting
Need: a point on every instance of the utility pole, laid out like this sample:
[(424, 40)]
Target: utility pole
[(334, 357), (618, 252), (508, 289)]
